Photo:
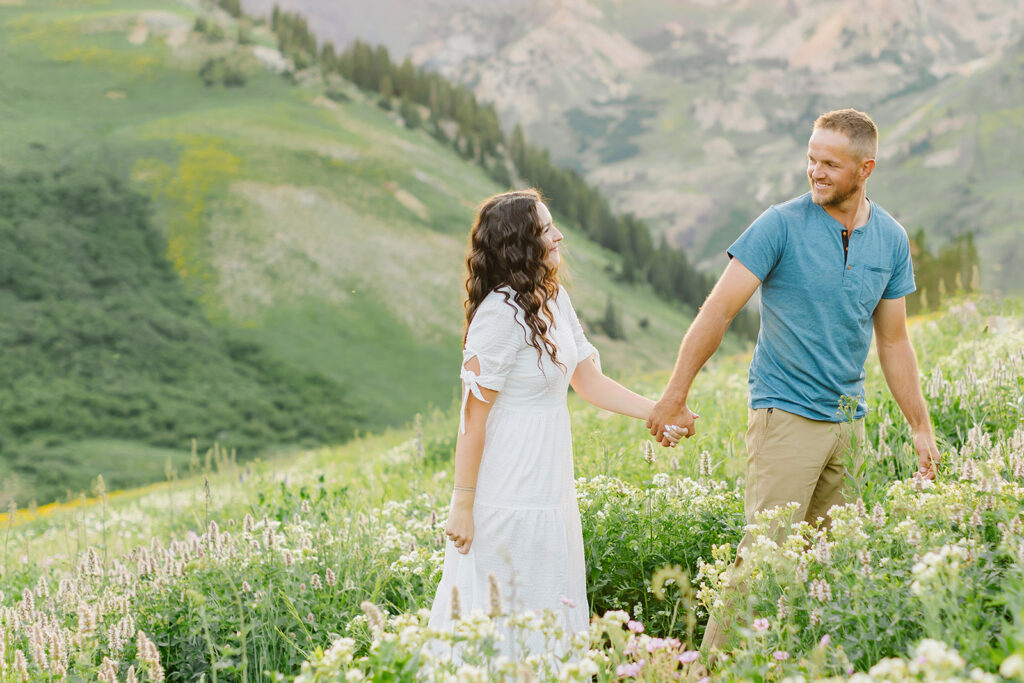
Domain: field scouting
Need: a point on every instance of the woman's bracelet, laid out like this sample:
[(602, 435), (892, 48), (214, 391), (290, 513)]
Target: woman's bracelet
[(464, 488)]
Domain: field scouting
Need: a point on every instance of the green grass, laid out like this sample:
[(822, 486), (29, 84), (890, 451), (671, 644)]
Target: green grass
[(371, 511), (55, 467)]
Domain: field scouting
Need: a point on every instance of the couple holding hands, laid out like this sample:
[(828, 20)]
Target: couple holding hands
[(832, 266)]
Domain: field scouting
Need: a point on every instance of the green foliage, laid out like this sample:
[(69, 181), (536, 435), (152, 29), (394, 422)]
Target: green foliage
[(244, 34), (955, 269), (610, 324), (631, 532), (410, 114), (232, 7), (100, 339), (337, 95), (224, 70), (210, 30), (294, 38)]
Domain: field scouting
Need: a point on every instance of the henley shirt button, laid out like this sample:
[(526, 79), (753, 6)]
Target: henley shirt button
[(847, 267)]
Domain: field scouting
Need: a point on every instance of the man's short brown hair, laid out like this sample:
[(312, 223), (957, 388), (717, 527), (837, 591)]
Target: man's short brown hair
[(857, 126)]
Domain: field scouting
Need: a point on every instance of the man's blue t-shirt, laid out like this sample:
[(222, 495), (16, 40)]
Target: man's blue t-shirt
[(816, 309)]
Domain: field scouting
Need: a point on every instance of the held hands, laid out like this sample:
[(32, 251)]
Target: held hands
[(669, 422), (460, 522), (927, 454)]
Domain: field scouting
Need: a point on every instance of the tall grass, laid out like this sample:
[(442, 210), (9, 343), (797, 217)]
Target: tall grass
[(261, 567)]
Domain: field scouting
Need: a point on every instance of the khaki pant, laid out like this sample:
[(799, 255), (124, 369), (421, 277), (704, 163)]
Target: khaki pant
[(791, 459)]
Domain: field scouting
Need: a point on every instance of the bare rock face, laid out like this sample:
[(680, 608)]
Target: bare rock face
[(558, 54)]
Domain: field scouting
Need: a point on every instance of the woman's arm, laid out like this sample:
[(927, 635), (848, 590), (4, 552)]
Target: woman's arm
[(604, 392), (469, 448)]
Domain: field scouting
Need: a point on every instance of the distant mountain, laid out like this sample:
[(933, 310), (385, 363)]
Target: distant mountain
[(695, 115)]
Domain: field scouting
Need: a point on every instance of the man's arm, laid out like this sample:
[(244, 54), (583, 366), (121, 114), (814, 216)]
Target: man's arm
[(899, 365), (729, 295)]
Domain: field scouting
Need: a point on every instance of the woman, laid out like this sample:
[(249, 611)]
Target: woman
[(513, 512)]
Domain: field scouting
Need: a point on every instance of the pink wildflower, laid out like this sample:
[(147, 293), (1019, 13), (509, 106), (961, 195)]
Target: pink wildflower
[(688, 657), (629, 670), (655, 644), (635, 626)]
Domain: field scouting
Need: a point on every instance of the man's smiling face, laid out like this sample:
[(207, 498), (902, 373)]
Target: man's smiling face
[(833, 169)]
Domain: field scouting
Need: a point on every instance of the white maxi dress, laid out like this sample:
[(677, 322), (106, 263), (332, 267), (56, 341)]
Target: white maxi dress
[(526, 519)]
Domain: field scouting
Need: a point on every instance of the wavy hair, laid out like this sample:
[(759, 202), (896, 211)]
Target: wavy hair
[(506, 249)]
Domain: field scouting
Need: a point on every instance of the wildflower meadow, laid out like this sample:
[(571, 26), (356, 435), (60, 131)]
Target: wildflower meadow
[(321, 566)]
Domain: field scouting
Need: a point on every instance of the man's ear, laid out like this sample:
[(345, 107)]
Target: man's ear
[(866, 168)]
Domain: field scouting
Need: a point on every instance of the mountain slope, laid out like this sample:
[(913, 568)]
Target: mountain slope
[(315, 234), (101, 342), (695, 115)]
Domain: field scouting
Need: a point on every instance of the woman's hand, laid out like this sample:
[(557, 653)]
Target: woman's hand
[(669, 419), (673, 433), (460, 523)]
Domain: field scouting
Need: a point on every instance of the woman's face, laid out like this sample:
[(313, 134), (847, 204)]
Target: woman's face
[(550, 235)]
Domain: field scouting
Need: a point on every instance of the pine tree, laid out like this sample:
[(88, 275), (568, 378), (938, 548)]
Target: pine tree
[(405, 80), (327, 57), (410, 114), (385, 93), (611, 324)]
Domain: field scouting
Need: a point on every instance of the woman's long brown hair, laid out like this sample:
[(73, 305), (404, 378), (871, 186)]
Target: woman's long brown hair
[(506, 248)]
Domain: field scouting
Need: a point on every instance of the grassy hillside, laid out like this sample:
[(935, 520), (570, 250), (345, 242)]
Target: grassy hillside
[(258, 567), (311, 237), (100, 341)]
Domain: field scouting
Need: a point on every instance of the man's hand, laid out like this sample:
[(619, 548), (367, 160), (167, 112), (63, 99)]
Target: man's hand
[(899, 365), (666, 413), (728, 296), (927, 454)]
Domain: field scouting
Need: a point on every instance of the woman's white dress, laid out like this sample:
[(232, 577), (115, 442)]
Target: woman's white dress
[(526, 519)]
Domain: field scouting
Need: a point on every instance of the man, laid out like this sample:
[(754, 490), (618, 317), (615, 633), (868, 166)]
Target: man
[(830, 265)]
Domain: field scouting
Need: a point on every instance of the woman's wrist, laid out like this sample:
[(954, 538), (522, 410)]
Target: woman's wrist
[(464, 495)]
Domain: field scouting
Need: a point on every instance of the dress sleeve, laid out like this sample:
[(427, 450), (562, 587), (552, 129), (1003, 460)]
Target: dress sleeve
[(494, 338), (584, 349)]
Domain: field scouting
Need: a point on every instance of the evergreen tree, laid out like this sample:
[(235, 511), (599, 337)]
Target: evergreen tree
[(437, 130), (232, 7), (499, 171), (327, 56), (380, 63), (610, 323), (405, 80), (410, 114), (385, 93)]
